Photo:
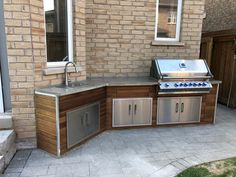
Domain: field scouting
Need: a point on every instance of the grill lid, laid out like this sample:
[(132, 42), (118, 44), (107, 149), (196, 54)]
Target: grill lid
[(181, 76), (180, 68)]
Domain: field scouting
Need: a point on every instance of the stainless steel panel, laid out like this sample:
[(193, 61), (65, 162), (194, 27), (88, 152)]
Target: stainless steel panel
[(174, 92), (58, 127), (76, 130), (142, 111), (82, 123), (190, 109), (185, 85), (92, 119), (122, 112), (182, 68), (168, 110)]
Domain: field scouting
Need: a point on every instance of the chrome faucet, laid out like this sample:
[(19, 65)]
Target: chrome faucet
[(67, 80)]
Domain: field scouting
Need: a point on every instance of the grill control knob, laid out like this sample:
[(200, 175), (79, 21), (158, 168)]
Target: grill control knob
[(194, 84), (199, 84), (190, 84), (167, 85), (176, 85), (204, 84), (181, 84), (185, 84)]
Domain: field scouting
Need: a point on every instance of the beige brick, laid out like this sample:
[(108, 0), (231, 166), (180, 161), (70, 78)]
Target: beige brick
[(114, 34), (100, 1)]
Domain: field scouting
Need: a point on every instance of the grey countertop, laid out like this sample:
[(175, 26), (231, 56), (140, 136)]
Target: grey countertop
[(216, 82), (90, 84), (94, 83)]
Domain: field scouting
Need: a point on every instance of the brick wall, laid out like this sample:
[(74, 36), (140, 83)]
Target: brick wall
[(25, 33), (111, 38), (220, 15), (119, 36)]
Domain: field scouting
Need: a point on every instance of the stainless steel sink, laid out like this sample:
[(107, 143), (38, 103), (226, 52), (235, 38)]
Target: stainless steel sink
[(73, 85)]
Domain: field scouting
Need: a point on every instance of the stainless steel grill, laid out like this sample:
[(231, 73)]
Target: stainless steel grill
[(181, 76)]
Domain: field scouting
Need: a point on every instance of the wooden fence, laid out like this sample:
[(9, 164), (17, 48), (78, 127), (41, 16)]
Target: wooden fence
[(219, 49)]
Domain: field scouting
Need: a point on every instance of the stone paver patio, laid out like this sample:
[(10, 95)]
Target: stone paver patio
[(149, 152)]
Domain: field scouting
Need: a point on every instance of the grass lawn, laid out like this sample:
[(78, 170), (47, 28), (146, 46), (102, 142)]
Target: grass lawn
[(222, 168)]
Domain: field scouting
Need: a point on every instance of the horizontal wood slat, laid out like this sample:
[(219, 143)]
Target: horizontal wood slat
[(129, 92), (46, 123), (74, 101), (208, 108)]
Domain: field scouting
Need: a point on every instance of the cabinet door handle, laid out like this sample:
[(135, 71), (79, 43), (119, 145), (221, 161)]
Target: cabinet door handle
[(177, 107), (129, 109), (135, 109), (182, 107)]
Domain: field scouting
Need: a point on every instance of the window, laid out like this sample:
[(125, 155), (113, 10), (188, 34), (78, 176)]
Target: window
[(168, 19), (172, 18), (59, 29)]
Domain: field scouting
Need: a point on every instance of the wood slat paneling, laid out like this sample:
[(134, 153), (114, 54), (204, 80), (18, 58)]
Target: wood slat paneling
[(74, 101), (129, 92), (46, 123), (208, 106)]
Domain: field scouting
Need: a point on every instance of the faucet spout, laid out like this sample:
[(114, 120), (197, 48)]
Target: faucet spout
[(66, 72)]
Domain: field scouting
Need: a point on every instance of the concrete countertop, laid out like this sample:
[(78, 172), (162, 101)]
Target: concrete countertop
[(216, 82), (94, 83)]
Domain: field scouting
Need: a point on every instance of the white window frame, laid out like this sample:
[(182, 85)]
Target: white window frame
[(178, 24), (69, 38)]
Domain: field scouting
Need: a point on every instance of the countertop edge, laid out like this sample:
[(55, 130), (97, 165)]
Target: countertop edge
[(92, 87), (216, 82), (105, 84)]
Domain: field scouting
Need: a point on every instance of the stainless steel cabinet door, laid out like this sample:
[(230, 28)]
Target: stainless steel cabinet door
[(168, 110), (76, 129), (190, 109), (92, 122), (82, 123), (142, 111), (122, 112)]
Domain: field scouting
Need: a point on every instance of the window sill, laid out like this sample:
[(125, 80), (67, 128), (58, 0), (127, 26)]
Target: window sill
[(59, 70), (168, 43)]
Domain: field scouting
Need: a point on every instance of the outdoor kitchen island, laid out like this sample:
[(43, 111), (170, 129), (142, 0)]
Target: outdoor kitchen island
[(68, 116)]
